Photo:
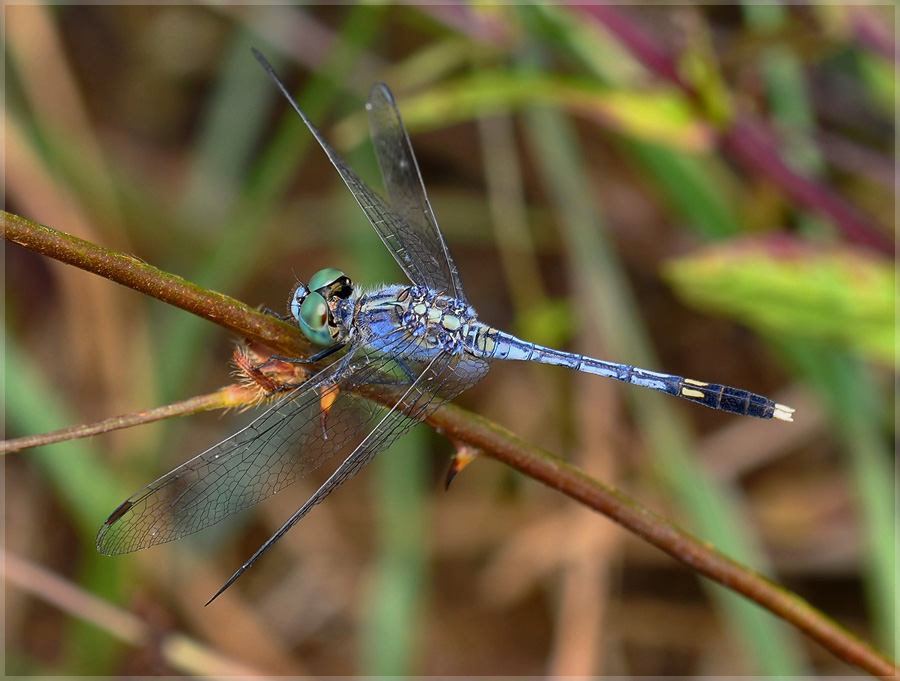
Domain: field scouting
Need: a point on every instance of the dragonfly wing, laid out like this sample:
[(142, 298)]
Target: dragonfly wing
[(417, 246), (419, 238), (445, 377), (280, 446), (326, 417)]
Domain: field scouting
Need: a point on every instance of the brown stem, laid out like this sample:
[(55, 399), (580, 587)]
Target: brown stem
[(230, 397), (471, 429), (500, 444), (129, 271)]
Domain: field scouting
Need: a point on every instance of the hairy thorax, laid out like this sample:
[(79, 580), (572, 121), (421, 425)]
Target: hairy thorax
[(437, 322)]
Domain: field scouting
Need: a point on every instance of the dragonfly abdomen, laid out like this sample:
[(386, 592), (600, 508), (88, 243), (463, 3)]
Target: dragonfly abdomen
[(496, 344)]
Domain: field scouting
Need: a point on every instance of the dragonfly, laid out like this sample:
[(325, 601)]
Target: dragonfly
[(390, 357)]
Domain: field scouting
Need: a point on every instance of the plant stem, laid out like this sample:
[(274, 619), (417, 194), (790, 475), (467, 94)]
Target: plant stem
[(468, 428), (134, 273)]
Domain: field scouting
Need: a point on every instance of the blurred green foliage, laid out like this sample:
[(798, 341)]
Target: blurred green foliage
[(152, 130), (840, 296)]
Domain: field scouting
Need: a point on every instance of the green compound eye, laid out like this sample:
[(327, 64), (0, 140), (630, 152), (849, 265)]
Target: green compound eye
[(325, 278), (313, 319)]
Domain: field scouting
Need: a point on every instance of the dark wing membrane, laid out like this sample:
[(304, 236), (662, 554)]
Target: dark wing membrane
[(443, 378), (422, 241), (418, 246), (293, 437)]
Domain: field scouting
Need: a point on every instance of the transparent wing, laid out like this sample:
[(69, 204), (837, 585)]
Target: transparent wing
[(301, 431), (440, 380), (240, 471), (412, 236), (422, 241)]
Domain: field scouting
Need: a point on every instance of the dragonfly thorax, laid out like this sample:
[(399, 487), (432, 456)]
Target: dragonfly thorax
[(442, 321), (313, 306), (423, 322)]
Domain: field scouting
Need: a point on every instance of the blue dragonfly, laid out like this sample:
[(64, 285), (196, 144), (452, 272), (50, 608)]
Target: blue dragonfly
[(390, 358)]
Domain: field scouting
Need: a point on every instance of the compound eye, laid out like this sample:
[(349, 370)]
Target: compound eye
[(313, 319), (328, 278), (296, 301)]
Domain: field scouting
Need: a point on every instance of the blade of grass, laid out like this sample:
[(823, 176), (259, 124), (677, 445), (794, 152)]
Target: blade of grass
[(489, 92), (698, 195), (238, 253), (398, 585), (791, 289), (774, 649), (233, 125), (59, 116), (398, 581), (857, 409), (746, 140), (836, 374), (82, 485)]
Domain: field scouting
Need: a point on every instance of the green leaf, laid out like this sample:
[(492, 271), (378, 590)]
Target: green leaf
[(792, 289)]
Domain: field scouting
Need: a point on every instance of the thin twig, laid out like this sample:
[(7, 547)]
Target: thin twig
[(229, 397), (473, 430)]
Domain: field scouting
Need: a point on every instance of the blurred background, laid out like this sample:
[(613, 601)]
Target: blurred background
[(705, 191)]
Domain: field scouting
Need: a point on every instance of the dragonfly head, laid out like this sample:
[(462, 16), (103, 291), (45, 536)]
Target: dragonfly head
[(331, 282), (309, 305)]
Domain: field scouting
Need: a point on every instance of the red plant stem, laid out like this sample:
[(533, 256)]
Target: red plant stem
[(749, 142), (746, 140), (873, 32)]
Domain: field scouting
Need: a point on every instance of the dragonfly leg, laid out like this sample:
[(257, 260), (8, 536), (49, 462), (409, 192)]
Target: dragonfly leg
[(408, 374), (330, 350), (275, 381), (328, 395), (405, 368), (272, 313)]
